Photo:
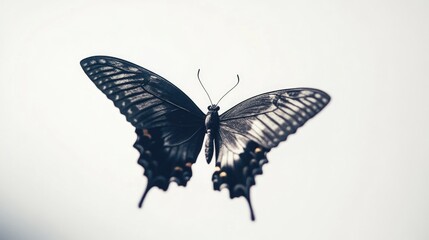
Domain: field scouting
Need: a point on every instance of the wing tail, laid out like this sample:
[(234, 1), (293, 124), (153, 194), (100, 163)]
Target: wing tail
[(148, 187)]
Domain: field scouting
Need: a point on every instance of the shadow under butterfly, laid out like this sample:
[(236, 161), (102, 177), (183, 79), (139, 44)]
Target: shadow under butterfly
[(170, 128)]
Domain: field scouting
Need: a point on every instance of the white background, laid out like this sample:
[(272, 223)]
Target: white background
[(358, 170)]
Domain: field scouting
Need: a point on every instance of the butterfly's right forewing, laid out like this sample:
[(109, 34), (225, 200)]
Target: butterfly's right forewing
[(169, 126)]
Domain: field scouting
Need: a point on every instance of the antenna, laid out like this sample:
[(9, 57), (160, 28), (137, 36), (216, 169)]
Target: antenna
[(198, 75), (238, 81)]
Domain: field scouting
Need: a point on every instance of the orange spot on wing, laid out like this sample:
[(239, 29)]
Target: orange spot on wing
[(146, 133)]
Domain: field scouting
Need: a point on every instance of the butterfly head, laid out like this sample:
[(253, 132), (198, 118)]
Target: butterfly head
[(213, 108)]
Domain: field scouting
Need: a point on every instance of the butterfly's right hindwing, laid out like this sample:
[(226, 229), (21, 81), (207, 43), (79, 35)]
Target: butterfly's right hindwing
[(170, 127)]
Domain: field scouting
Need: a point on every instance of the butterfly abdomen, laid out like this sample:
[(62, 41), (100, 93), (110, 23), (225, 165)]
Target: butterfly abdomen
[(209, 146)]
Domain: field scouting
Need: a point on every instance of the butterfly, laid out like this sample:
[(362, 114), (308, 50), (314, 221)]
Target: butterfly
[(171, 128)]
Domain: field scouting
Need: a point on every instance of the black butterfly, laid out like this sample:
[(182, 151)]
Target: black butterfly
[(170, 127)]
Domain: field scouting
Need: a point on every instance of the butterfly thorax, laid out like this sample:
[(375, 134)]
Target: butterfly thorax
[(212, 127)]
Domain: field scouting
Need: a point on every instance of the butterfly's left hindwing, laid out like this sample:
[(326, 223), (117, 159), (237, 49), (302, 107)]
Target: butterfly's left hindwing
[(169, 126), (249, 130), (164, 163)]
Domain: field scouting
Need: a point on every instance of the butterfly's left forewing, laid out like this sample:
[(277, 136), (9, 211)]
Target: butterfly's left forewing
[(169, 126), (249, 130)]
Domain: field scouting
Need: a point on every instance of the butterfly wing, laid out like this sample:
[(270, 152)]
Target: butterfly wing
[(249, 130), (169, 126)]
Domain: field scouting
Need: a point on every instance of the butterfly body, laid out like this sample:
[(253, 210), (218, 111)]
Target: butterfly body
[(212, 128), (171, 128)]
